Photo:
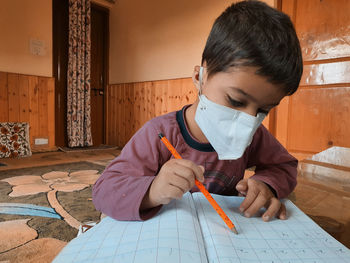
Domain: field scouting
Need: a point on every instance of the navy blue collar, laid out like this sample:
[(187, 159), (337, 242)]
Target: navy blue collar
[(204, 147)]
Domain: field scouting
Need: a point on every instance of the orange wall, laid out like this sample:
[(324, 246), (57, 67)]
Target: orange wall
[(20, 21), (149, 40), (157, 39)]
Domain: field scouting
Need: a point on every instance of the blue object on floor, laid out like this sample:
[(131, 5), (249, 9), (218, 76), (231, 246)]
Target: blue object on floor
[(28, 209)]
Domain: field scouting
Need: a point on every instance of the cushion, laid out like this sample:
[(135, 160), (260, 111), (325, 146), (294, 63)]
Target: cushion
[(14, 139)]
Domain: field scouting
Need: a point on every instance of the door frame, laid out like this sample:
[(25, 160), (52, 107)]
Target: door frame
[(60, 25), (57, 34), (106, 66)]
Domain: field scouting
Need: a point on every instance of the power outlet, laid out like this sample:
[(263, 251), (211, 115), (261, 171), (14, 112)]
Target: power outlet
[(41, 141)]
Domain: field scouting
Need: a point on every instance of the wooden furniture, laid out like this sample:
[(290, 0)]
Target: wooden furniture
[(323, 191)]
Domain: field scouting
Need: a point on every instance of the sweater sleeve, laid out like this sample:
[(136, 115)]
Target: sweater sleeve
[(274, 165), (120, 189)]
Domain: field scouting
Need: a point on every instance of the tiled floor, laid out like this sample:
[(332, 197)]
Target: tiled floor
[(328, 204)]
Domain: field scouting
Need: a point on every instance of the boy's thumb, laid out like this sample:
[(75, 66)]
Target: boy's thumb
[(201, 176)]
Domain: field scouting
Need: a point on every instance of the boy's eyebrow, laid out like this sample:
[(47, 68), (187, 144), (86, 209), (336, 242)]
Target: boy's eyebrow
[(252, 98)]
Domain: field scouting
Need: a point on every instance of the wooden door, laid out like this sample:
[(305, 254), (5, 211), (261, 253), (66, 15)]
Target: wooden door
[(317, 116), (99, 70), (60, 24)]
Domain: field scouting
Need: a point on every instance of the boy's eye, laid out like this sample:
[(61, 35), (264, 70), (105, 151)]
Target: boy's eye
[(235, 103)]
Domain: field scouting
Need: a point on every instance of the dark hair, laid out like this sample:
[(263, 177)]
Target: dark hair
[(250, 33)]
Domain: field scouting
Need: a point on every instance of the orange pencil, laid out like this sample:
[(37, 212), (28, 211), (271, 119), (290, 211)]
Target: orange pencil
[(201, 187)]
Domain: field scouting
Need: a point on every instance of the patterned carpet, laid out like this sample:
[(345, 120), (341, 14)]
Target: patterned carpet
[(42, 208)]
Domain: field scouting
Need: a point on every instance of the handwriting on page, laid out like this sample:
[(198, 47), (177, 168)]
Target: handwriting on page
[(170, 237), (297, 239)]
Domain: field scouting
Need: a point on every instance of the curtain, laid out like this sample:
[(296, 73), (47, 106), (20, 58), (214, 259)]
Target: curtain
[(78, 88)]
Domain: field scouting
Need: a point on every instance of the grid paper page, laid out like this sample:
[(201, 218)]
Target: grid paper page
[(173, 235), (297, 239)]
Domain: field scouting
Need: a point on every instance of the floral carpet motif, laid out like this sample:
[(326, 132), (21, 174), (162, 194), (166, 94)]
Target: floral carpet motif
[(41, 209)]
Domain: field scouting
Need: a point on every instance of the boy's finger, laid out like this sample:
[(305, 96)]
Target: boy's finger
[(282, 213), (181, 182), (185, 173), (248, 200), (242, 187), (197, 170), (272, 209), (254, 207), (174, 192)]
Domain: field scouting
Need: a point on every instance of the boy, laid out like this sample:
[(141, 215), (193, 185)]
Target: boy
[(251, 60)]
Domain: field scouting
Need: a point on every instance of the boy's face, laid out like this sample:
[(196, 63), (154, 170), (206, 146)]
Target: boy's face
[(241, 89)]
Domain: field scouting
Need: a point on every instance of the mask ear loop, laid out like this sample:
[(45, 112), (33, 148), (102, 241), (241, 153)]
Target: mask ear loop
[(200, 77)]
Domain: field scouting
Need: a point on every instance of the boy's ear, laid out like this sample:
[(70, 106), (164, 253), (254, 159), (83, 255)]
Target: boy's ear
[(195, 77)]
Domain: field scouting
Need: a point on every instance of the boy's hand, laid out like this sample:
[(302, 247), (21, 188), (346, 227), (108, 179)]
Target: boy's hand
[(257, 194), (174, 179)]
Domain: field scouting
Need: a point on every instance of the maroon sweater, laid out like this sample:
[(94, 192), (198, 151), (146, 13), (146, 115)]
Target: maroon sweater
[(120, 189)]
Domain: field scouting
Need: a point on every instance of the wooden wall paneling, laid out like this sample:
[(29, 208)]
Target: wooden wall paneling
[(174, 88), (112, 113), (148, 106), (13, 97), (107, 116), (33, 107), (131, 105), (150, 103), (179, 96), (121, 121), (158, 98), (23, 83), (281, 118), (340, 121), (29, 99), (115, 113), (127, 113), (163, 86), (319, 119), (143, 101), (123, 114), (289, 7), (188, 91), (118, 113), (137, 106), (184, 92), (4, 111), (43, 118), (132, 124), (323, 33), (51, 111), (266, 121), (153, 100)]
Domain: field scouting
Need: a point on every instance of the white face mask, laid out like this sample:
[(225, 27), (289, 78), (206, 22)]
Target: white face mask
[(229, 131)]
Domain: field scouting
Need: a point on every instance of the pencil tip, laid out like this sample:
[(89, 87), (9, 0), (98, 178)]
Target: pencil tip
[(160, 135), (234, 230)]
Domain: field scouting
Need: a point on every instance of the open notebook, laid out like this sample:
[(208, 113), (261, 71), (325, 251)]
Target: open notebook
[(189, 230)]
